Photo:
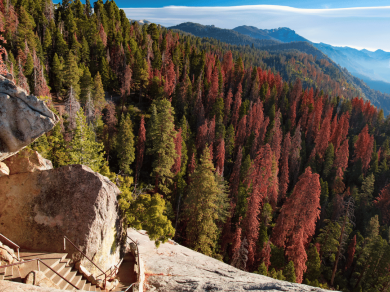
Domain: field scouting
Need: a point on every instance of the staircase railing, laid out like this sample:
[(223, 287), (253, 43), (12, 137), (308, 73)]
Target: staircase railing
[(103, 273), (39, 268), (13, 243), (139, 267)]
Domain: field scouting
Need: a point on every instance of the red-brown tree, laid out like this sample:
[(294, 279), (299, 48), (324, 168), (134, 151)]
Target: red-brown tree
[(259, 174), (297, 220), (284, 169), (383, 203), (220, 157), (363, 148)]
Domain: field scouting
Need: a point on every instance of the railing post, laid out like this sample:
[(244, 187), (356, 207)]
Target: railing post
[(18, 255), (39, 267), (64, 244)]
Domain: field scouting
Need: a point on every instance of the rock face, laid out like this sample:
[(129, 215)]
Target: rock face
[(176, 268), (37, 209), (23, 118), (27, 161)]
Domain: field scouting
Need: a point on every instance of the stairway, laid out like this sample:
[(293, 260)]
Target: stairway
[(57, 261)]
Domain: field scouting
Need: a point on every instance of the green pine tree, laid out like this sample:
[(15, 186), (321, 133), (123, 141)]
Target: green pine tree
[(57, 78), (161, 140), (201, 206), (83, 148), (329, 158), (313, 264), (47, 43), (104, 70), (71, 74), (58, 153), (125, 145), (289, 272), (85, 85), (147, 212), (98, 92)]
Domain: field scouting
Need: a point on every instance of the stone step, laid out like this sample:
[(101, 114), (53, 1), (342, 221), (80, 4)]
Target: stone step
[(87, 287), (63, 284), (76, 281), (58, 262), (51, 259), (61, 268)]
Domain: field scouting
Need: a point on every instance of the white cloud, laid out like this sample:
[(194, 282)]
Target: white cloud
[(363, 27)]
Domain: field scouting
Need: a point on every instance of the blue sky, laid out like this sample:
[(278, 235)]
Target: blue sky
[(297, 3)]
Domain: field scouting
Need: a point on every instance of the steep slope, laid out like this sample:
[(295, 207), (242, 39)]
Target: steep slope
[(369, 65), (289, 42), (372, 67)]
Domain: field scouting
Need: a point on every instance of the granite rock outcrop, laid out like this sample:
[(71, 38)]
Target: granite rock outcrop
[(23, 118), (27, 161), (38, 209), (173, 267)]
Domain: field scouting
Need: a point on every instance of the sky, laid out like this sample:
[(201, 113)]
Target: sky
[(354, 23)]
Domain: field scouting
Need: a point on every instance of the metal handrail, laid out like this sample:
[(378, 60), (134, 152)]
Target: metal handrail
[(39, 269), (139, 266), (105, 275), (13, 243)]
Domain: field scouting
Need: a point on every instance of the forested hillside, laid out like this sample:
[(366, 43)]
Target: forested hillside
[(266, 161), (293, 43)]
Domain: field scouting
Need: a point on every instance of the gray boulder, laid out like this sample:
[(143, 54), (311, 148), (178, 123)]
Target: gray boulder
[(39, 208), (23, 118), (173, 267)]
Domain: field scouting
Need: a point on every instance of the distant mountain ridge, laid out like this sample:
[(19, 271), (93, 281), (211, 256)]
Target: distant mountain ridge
[(282, 34), (261, 41), (224, 35)]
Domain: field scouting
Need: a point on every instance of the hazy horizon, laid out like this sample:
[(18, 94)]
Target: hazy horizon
[(357, 27)]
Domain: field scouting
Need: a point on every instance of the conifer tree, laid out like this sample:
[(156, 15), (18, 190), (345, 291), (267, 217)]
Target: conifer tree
[(83, 148), (58, 152), (85, 85), (294, 212), (313, 271), (71, 74), (147, 212), (109, 128), (259, 178), (383, 203), (56, 74), (125, 142), (329, 159), (178, 147), (161, 140), (98, 92), (284, 167), (289, 272), (363, 148), (140, 147), (72, 107), (201, 204)]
